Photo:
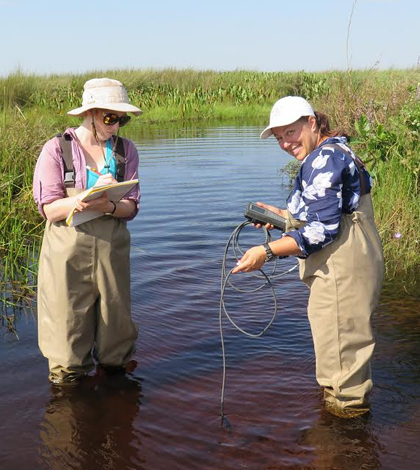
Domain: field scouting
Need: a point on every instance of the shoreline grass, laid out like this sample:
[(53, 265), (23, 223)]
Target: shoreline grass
[(381, 109)]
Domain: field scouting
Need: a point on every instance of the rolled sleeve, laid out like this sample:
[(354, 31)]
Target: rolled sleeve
[(132, 172), (48, 181)]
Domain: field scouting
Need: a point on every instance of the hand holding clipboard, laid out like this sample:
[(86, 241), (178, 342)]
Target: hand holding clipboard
[(115, 192)]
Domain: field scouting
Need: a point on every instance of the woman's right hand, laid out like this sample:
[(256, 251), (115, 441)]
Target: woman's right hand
[(105, 179), (276, 210)]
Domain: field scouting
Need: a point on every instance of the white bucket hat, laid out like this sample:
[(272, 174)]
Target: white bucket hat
[(285, 111), (105, 93)]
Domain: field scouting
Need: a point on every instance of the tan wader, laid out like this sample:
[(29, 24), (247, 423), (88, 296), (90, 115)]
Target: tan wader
[(84, 305), (345, 279)]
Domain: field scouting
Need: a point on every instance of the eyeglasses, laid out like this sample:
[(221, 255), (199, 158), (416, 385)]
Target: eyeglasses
[(110, 119)]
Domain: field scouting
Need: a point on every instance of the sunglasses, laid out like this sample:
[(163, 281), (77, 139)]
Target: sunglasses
[(110, 119)]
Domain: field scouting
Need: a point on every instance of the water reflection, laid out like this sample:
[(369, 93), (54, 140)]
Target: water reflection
[(343, 443), (91, 426)]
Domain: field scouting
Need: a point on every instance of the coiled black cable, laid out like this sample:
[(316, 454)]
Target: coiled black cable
[(233, 243)]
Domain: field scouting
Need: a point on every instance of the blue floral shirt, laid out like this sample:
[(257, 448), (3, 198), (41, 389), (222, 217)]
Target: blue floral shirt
[(327, 185)]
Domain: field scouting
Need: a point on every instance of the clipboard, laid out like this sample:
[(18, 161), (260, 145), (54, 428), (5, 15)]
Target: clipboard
[(114, 191)]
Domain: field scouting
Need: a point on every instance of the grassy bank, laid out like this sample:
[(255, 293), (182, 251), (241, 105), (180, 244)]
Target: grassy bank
[(381, 109)]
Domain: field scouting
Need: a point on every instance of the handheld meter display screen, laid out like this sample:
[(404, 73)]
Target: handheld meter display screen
[(259, 215)]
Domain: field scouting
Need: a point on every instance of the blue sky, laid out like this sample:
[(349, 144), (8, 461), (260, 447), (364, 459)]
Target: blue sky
[(53, 36)]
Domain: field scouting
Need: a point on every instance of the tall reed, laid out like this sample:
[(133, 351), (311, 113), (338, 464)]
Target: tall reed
[(20, 227)]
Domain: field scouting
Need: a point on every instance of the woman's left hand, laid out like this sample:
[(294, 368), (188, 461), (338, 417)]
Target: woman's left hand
[(252, 260)]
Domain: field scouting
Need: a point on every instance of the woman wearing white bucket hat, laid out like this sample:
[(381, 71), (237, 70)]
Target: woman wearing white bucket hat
[(84, 306), (330, 227)]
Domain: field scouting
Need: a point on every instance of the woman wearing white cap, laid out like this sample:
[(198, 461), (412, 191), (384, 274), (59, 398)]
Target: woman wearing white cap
[(331, 229), (83, 297)]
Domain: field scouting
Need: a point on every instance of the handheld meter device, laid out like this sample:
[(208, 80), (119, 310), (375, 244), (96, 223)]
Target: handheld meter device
[(259, 215)]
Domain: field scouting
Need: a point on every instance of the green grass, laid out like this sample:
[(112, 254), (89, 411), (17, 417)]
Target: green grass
[(392, 152), (20, 226)]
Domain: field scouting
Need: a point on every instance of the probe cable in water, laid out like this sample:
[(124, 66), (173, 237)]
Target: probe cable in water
[(233, 243)]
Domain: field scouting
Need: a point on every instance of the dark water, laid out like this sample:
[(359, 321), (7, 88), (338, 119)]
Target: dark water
[(166, 415)]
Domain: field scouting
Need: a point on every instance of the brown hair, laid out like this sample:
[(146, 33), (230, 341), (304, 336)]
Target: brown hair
[(323, 123)]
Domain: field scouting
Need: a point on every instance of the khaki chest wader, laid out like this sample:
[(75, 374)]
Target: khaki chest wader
[(345, 280), (84, 304)]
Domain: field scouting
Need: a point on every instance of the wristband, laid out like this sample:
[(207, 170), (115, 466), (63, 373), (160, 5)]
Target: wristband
[(269, 255), (113, 210)]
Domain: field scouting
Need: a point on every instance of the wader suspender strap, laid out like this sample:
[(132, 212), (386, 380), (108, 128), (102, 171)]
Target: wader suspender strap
[(119, 154), (67, 154), (360, 165)]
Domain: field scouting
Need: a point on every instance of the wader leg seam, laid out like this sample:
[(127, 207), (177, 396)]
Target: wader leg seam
[(337, 328)]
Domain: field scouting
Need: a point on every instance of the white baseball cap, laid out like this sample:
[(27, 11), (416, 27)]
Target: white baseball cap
[(285, 111)]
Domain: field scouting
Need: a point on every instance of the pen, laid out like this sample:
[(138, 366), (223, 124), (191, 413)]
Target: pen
[(94, 171)]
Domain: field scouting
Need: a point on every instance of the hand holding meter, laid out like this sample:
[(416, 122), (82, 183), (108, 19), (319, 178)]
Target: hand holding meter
[(259, 215)]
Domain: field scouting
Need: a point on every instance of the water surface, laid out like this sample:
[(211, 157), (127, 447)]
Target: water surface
[(196, 182)]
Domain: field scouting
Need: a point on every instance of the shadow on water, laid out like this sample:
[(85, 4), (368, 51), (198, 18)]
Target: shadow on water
[(196, 182)]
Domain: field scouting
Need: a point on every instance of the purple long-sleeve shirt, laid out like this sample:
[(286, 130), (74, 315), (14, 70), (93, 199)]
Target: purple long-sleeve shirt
[(48, 182)]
